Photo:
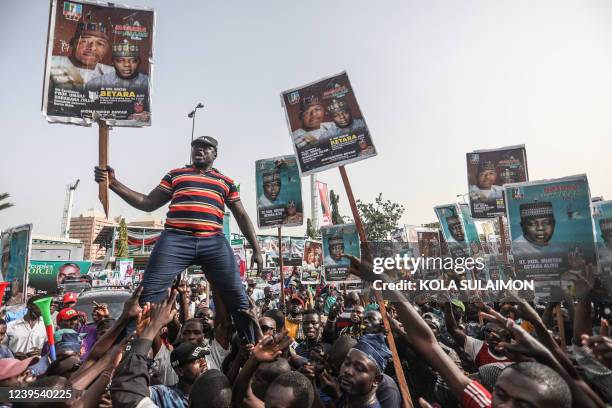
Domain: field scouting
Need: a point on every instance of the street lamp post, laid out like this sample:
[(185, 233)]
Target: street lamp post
[(192, 115)]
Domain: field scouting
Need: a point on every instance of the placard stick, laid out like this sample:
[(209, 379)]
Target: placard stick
[(280, 262), (561, 325), (103, 162), (502, 233), (399, 372)]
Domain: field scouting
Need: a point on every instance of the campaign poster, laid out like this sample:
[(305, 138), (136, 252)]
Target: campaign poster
[(326, 125), (451, 222), (325, 205), (488, 171), (602, 216), (16, 244), (551, 231), (98, 64), (279, 192), (240, 256), (471, 232), (124, 271), (312, 262), (47, 276), (338, 240)]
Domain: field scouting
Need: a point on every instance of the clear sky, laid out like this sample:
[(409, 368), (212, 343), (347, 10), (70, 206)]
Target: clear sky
[(434, 79)]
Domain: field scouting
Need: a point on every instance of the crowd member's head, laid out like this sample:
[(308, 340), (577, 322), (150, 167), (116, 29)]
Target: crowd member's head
[(372, 322), (433, 322), (89, 44), (537, 222), (606, 230), (352, 299), (338, 352), (68, 318), (278, 317), (319, 304), (70, 299), (188, 361), (211, 389), (312, 113), (357, 314), (15, 373), (268, 294), (266, 373), (126, 59), (290, 390), (362, 369), (204, 151), (340, 113), (487, 175), (33, 310), (100, 312), (296, 305), (272, 184), (65, 365), (103, 326), (455, 228), (267, 325), (311, 325), (336, 247), (531, 384), (193, 332), (67, 343)]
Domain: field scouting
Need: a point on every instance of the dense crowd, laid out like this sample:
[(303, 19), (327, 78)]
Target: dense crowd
[(324, 347)]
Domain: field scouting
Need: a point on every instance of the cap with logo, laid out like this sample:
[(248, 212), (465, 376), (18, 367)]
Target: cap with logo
[(70, 297), (185, 353), (67, 314)]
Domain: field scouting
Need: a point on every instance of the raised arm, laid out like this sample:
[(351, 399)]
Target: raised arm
[(246, 226), (151, 202), (451, 324)]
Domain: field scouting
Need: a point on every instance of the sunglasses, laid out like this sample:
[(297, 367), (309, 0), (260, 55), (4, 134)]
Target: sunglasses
[(265, 328)]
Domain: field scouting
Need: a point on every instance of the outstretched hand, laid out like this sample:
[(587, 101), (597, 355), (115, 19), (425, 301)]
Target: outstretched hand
[(362, 268), (257, 258), (271, 347), (131, 308)]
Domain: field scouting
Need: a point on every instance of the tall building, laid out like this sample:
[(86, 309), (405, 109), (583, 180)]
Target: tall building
[(86, 228)]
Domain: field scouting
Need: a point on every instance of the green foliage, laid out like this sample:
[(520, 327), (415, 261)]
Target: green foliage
[(380, 218), (311, 232), (335, 215), (122, 241), (4, 206)]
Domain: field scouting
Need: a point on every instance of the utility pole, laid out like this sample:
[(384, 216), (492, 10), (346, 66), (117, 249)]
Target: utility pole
[(66, 214), (314, 202)]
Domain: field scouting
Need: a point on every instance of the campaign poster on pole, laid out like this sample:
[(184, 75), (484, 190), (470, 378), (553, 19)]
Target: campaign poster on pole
[(325, 205), (488, 171), (99, 63), (326, 125), (240, 256), (16, 244), (47, 276), (312, 262), (551, 229), (124, 271), (279, 192), (602, 216), (338, 240), (453, 230)]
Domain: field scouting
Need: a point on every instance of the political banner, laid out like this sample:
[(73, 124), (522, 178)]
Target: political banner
[(98, 64), (488, 171), (325, 206), (291, 248), (312, 262), (451, 222), (279, 192), (472, 238), (240, 256), (602, 216), (47, 276), (16, 244), (326, 125), (338, 240), (551, 229), (124, 271)]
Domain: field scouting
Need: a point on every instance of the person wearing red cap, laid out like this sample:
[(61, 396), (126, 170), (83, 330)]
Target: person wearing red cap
[(68, 318), (70, 299), (15, 373)]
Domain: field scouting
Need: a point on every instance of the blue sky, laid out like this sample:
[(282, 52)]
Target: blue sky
[(434, 79)]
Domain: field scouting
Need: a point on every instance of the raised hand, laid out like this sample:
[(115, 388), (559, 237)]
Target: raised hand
[(165, 312), (271, 347), (131, 308), (102, 174)]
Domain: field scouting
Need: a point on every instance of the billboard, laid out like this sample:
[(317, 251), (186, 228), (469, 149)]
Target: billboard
[(16, 244), (98, 64), (326, 125), (46, 276), (279, 192), (338, 240), (488, 171)]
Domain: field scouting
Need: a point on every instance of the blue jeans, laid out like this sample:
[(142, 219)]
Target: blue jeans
[(175, 252)]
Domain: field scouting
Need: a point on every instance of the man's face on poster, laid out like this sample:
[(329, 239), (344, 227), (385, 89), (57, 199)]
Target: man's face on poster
[(126, 67), (90, 50), (272, 189), (67, 271), (342, 118), (313, 116), (456, 231), (336, 251), (538, 230), (486, 179)]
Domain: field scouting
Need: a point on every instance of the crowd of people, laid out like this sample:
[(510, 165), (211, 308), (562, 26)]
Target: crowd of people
[(324, 347)]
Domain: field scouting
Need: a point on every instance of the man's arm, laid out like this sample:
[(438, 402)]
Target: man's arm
[(151, 202), (451, 324), (246, 226)]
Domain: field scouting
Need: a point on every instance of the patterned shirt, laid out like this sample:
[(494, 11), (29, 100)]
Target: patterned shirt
[(198, 200)]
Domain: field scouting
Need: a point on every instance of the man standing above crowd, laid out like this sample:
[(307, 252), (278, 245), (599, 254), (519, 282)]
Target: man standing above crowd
[(193, 233)]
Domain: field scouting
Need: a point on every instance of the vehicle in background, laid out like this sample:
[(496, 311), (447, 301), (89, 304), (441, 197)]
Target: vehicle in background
[(113, 296), (75, 285)]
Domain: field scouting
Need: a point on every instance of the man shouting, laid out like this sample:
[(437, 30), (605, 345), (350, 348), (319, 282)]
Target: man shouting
[(193, 233)]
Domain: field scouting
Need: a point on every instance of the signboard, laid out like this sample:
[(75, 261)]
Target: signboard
[(279, 192), (338, 240), (98, 64), (488, 171), (602, 216), (325, 205), (46, 276), (124, 272), (16, 244), (312, 262), (326, 125), (453, 230)]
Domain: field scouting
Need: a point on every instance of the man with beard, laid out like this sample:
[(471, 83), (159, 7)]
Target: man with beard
[(455, 228), (292, 215), (362, 372), (312, 114), (344, 123), (336, 249), (538, 226), (293, 321), (486, 188), (271, 189)]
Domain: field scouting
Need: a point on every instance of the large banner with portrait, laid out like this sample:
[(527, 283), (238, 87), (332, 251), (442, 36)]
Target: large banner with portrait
[(602, 216), (327, 127), (16, 244), (451, 223), (47, 276), (279, 192), (338, 240), (551, 229), (488, 171), (312, 262), (99, 64)]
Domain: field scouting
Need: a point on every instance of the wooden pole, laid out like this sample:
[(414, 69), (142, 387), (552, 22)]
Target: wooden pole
[(502, 233), (560, 325), (103, 162), (399, 372), (280, 262)]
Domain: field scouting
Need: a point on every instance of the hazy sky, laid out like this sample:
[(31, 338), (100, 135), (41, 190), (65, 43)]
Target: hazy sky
[(434, 79)]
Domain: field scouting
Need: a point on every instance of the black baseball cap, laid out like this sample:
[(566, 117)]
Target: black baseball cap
[(185, 353), (208, 140)]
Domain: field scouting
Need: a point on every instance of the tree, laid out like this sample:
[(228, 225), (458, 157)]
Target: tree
[(311, 232), (4, 206), (122, 242), (335, 215), (380, 218)]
